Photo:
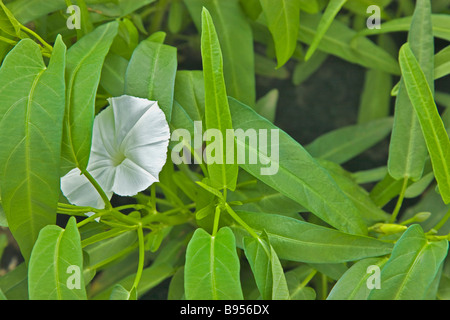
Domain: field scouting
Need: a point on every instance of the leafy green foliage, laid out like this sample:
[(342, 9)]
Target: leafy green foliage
[(239, 201)]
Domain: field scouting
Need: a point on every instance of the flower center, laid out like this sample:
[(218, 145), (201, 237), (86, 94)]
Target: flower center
[(118, 159)]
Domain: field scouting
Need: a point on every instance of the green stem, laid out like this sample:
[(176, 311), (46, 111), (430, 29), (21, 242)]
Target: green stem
[(241, 222), (34, 34), (443, 221), (89, 219), (399, 201), (141, 257), (98, 188), (9, 41)]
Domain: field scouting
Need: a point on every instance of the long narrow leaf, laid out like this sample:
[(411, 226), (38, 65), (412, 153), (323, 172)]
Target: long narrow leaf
[(433, 129)]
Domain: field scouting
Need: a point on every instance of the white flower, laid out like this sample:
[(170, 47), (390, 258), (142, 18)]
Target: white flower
[(129, 149)]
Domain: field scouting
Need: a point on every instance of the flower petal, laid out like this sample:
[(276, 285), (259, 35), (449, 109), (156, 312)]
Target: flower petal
[(131, 178), (127, 111), (79, 191)]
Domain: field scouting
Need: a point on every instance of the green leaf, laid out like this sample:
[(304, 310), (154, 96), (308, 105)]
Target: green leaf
[(375, 97), (442, 63), (340, 41), (353, 284), (84, 65), (56, 264), (412, 267), (266, 106), (433, 129), (151, 74), (295, 279), (266, 267), (234, 32), (212, 267), (8, 22), (333, 8), (345, 143), (283, 21), (14, 284), (440, 24), (293, 172), (407, 149), (120, 293), (31, 113), (190, 93), (113, 74), (296, 240), (369, 211), (222, 171)]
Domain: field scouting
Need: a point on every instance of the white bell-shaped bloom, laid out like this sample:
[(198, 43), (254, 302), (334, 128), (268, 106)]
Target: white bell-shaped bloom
[(129, 149)]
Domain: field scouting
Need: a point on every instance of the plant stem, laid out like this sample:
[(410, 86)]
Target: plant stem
[(443, 221), (141, 257), (9, 41), (241, 222), (399, 201), (98, 188), (34, 34)]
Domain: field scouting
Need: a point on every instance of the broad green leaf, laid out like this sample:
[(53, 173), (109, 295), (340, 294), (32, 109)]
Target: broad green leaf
[(333, 8), (407, 149), (31, 113), (301, 241), (151, 74), (433, 129), (234, 32), (266, 267), (340, 41), (212, 267), (345, 143), (353, 285), (292, 171), (84, 65), (223, 171), (56, 264), (440, 24), (283, 21), (412, 267)]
